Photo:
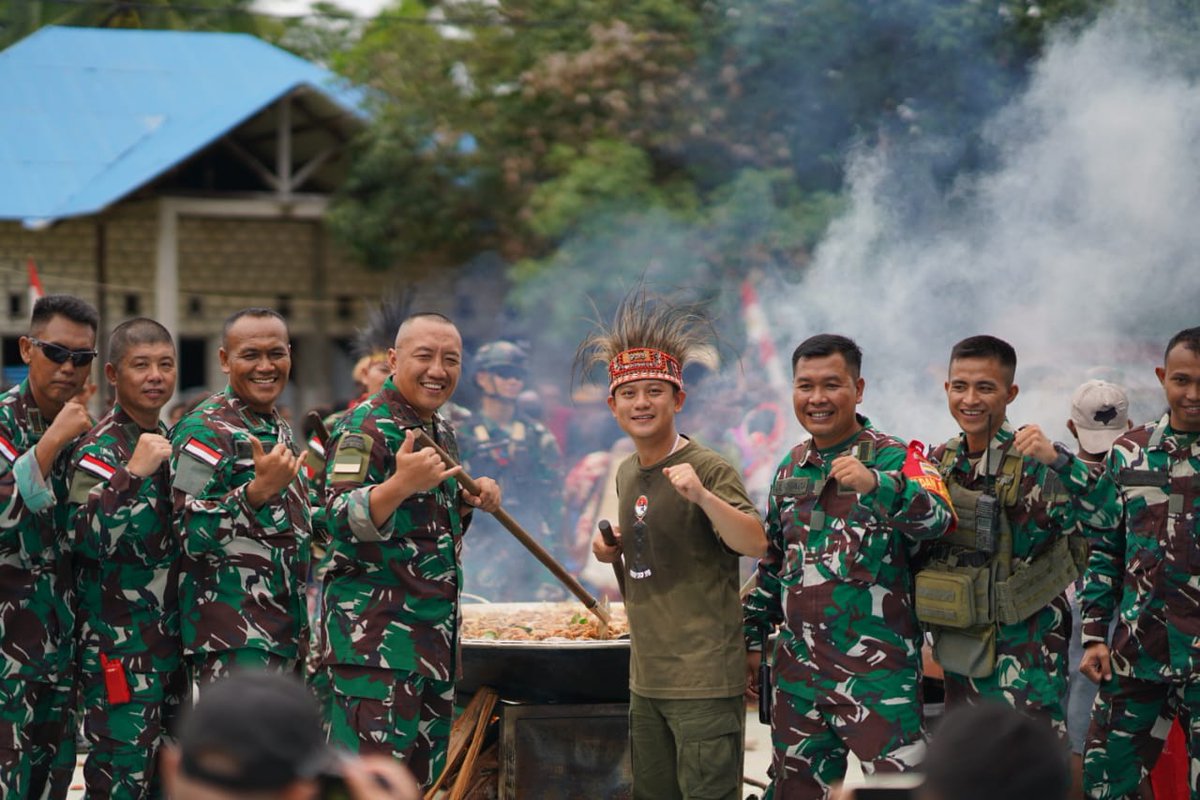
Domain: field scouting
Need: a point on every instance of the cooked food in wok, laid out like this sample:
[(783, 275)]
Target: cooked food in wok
[(526, 622)]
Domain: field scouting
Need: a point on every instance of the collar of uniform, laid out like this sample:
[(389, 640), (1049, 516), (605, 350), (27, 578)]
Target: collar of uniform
[(1173, 441), (998, 445), (812, 455), (253, 419), (402, 411), (120, 417), (32, 415)]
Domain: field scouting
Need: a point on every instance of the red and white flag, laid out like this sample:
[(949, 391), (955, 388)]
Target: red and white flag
[(35, 284)]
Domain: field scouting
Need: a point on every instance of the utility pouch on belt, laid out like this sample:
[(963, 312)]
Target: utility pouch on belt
[(1032, 586), (954, 596), (970, 652), (116, 686)]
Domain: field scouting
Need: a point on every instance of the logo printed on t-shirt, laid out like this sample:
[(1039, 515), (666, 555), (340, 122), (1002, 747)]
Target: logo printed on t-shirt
[(639, 562), (640, 507)]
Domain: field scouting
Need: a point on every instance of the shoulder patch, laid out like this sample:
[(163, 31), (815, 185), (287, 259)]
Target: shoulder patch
[(8, 450), (199, 450), (192, 475), (81, 486), (352, 458), (97, 467)]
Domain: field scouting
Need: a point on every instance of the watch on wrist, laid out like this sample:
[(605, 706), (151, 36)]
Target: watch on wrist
[(1064, 456)]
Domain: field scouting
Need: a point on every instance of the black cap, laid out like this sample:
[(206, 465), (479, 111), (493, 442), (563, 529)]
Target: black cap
[(252, 731)]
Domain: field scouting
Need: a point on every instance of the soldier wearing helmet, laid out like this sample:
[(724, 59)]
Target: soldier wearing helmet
[(523, 456)]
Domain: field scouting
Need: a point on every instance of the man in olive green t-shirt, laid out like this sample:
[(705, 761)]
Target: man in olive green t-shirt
[(685, 517)]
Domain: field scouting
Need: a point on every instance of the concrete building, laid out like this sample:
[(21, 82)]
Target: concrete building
[(180, 175)]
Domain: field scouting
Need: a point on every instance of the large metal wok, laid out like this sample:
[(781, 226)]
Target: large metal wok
[(550, 671)]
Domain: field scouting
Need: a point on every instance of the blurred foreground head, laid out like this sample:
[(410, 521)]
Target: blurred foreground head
[(991, 752), (252, 735)]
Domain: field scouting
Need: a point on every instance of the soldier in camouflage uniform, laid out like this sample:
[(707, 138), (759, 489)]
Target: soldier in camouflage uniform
[(1012, 556), (1145, 569), (241, 508), (523, 456), (126, 559), (38, 426), (844, 510), (396, 518)]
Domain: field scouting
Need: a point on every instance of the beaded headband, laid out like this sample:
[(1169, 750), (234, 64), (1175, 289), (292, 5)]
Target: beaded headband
[(643, 363)]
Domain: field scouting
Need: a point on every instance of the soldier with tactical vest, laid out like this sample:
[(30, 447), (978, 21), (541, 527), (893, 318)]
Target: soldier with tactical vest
[(844, 510), (524, 458), (1145, 570), (40, 420), (993, 594), (126, 557), (242, 511)]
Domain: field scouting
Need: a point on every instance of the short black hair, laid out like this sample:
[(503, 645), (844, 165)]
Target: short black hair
[(987, 347), (990, 751), (258, 312), (411, 318), (1188, 337), (828, 344), (139, 330), (63, 305)]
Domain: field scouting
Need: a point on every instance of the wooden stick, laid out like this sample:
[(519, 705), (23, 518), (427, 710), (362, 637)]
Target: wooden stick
[(463, 782), (514, 527), (459, 734)]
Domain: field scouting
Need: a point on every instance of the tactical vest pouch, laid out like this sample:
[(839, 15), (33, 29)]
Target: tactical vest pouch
[(954, 596), (970, 652), (1033, 585)]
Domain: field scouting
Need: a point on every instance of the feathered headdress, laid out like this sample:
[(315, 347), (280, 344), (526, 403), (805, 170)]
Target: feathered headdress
[(379, 334), (649, 338)]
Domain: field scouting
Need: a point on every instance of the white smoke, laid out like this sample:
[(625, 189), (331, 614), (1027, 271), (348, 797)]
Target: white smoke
[(1079, 247)]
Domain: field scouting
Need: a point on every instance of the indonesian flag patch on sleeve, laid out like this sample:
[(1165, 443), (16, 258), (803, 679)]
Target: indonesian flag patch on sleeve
[(97, 467), (920, 469), (199, 450), (8, 451)]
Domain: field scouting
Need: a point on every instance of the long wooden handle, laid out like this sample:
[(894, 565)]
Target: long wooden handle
[(531, 544), (610, 539)]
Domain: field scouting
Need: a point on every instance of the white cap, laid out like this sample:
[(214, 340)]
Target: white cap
[(1100, 411)]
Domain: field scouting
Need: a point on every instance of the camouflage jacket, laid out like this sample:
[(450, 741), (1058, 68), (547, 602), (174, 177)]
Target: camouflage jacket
[(836, 572), (36, 586), (126, 553), (1043, 511), (243, 571), (390, 593), (1146, 557), (523, 457)]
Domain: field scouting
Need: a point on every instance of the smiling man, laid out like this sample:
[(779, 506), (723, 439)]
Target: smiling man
[(1144, 571), (396, 517), (845, 508), (242, 511), (39, 423), (684, 518), (993, 593), (126, 564)]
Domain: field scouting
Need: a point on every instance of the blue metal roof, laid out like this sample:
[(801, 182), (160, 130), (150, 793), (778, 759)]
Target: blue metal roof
[(89, 115)]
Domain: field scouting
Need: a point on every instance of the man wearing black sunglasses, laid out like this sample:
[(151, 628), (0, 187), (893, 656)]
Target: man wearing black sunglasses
[(40, 420)]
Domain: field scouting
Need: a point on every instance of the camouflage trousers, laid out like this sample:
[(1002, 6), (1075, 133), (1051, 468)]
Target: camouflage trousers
[(1031, 668), (125, 739), (37, 738), (687, 748), (204, 669), (400, 714), (880, 720), (1130, 722)]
